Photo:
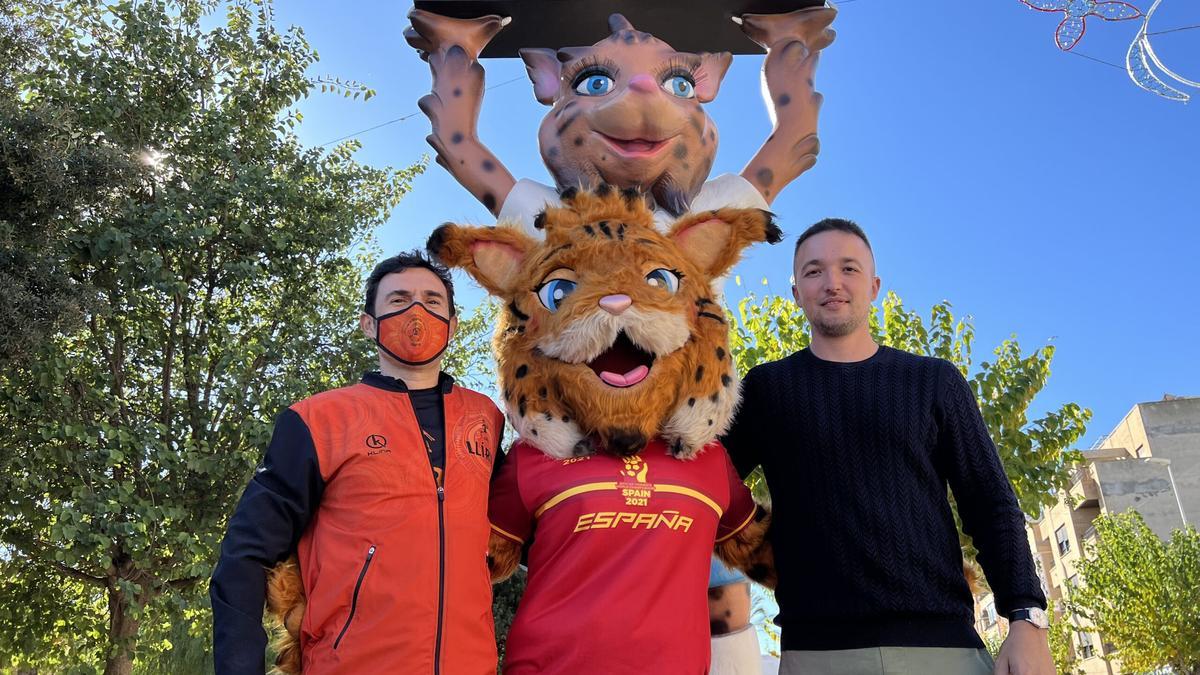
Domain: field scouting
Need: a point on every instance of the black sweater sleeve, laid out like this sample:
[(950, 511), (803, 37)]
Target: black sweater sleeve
[(264, 529), (986, 502), (743, 440)]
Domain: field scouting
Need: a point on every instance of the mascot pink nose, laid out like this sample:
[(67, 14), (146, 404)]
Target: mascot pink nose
[(615, 304), (643, 83)]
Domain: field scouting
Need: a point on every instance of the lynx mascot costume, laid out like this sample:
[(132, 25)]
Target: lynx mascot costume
[(614, 367), (613, 352)]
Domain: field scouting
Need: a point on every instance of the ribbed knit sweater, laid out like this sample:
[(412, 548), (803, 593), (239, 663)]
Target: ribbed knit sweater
[(858, 457)]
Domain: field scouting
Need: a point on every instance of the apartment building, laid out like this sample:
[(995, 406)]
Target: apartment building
[(1150, 462)]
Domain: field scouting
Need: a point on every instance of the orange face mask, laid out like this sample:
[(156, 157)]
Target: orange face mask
[(413, 336)]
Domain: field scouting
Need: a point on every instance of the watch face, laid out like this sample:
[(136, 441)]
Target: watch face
[(1038, 617)]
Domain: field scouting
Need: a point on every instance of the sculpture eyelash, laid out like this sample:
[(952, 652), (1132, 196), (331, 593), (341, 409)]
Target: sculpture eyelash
[(678, 66), (593, 65)]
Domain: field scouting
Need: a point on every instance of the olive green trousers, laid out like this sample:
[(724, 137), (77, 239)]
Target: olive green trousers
[(888, 661)]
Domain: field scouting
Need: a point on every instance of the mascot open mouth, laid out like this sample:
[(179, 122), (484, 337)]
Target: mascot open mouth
[(623, 364)]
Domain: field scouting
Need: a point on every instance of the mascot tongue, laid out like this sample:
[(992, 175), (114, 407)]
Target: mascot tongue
[(624, 364), (628, 379)]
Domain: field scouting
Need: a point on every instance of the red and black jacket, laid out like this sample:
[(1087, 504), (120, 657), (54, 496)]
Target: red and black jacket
[(394, 565)]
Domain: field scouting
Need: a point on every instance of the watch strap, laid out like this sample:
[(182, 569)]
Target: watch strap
[(1034, 615)]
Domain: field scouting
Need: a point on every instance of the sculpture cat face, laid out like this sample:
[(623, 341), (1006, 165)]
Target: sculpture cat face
[(611, 336), (627, 112)]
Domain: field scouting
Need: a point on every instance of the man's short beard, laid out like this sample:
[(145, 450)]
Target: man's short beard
[(837, 330)]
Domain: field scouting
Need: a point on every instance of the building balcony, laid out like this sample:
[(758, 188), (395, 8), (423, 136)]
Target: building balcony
[(1042, 545), (1084, 490)]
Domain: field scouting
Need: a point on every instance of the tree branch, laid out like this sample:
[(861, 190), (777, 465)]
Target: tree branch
[(77, 574), (186, 582), (168, 362), (30, 547)]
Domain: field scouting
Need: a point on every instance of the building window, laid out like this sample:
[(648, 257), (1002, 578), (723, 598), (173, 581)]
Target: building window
[(1072, 581), (989, 614), (1064, 543), (1086, 649)]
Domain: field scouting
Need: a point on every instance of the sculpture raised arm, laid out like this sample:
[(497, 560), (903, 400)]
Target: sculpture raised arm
[(452, 47), (793, 42)]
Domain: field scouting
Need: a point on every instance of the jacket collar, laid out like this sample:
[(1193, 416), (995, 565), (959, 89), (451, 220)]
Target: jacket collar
[(378, 380)]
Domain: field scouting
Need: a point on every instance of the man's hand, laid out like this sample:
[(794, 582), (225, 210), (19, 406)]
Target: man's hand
[(1025, 652)]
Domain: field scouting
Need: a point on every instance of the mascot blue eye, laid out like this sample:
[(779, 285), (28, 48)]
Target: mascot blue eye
[(680, 85), (553, 292), (593, 84), (664, 279)]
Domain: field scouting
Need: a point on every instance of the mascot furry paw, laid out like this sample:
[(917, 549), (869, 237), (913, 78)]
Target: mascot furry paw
[(616, 374)]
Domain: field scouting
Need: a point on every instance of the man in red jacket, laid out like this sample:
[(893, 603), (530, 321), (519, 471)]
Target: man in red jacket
[(380, 489)]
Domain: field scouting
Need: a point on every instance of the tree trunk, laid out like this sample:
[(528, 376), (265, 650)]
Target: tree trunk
[(122, 633)]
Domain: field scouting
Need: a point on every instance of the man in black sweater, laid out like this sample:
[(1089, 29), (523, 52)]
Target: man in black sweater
[(858, 443)]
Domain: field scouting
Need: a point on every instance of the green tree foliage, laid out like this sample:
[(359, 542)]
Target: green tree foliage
[(49, 177), (469, 357), (993, 642), (1061, 646), (222, 261), (1142, 594), (1037, 454)]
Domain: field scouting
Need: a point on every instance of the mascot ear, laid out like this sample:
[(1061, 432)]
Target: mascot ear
[(493, 256), (544, 71), (710, 73), (713, 240)]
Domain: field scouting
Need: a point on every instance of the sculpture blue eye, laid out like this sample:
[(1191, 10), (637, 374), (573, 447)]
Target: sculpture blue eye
[(593, 84), (664, 279), (680, 85), (553, 292)]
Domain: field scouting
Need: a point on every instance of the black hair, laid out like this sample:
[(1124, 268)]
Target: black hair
[(399, 263), (833, 224)]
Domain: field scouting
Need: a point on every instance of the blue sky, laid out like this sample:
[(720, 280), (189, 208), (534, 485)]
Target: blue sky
[(1040, 192)]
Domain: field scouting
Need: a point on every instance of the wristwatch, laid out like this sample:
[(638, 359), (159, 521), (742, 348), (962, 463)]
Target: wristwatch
[(1034, 615)]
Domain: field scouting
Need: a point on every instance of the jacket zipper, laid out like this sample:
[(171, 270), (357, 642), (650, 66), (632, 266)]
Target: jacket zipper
[(354, 599), (437, 654), (441, 497)]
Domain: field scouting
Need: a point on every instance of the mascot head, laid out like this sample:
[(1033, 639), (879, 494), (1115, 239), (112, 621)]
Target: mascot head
[(611, 335)]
